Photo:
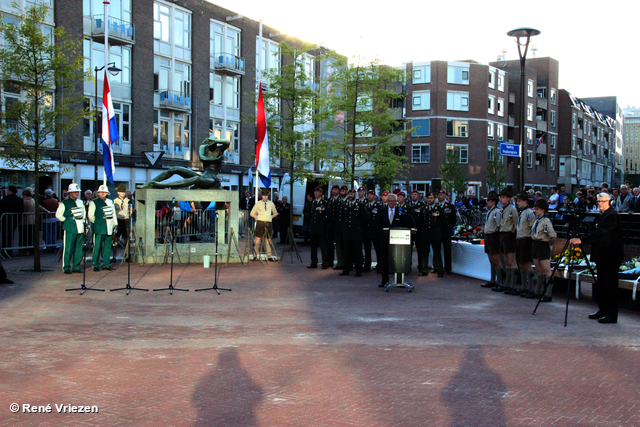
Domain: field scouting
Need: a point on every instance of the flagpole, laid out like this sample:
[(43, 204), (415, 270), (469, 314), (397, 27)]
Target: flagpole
[(106, 62), (259, 86)]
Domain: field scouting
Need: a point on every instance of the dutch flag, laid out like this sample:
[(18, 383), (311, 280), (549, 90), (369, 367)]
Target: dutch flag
[(262, 148), (110, 133)]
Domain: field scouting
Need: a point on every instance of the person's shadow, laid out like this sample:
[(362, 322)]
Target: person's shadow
[(474, 395), (227, 396)]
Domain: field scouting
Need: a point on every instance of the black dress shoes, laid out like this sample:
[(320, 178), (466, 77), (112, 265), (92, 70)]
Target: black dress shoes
[(96, 268), (67, 272), (344, 273), (424, 274), (312, 266), (358, 273), (324, 267), (597, 315), (109, 268), (440, 274), (488, 285), (499, 288), (6, 281), (608, 319), (546, 299)]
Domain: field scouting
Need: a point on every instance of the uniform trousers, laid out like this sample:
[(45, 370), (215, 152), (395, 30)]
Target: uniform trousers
[(101, 247), (321, 241), (339, 251), (353, 255), (446, 249), (72, 252), (368, 242), (437, 255)]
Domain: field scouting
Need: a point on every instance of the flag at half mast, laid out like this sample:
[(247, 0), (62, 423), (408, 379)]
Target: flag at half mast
[(262, 148), (110, 132)]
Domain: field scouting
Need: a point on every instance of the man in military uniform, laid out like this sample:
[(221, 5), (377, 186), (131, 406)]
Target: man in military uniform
[(334, 198), (371, 233), (524, 250), (449, 211), (508, 228), (402, 201), (414, 208), (355, 219), (362, 195), (102, 215), (383, 197), (318, 230), (338, 227), (492, 238), (72, 215), (432, 223)]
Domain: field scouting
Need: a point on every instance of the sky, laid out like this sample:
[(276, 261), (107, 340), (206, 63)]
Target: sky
[(594, 41)]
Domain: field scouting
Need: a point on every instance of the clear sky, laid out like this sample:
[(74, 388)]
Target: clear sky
[(594, 41)]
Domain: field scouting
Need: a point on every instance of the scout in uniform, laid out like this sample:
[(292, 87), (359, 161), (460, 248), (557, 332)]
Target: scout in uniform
[(318, 230), (543, 236), (102, 215), (355, 219), (492, 238), (508, 244), (264, 211), (122, 205), (71, 214), (433, 224), (524, 254), (449, 211)]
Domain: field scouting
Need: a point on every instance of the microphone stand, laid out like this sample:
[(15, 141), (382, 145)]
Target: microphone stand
[(128, 286), (83, 286), (173, 246), (215, 275)]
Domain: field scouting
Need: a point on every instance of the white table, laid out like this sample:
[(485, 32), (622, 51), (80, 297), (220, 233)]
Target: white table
[(470, 260)]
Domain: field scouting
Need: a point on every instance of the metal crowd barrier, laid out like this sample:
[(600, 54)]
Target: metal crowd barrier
[(196, 226), (17, 232)]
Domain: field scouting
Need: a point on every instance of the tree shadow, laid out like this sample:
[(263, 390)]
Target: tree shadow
[(474, 395), (227, 395)]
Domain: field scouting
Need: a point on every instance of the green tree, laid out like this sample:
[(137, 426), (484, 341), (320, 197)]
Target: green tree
[(496, 172), (453, 179), (42, 66), (364, 100)]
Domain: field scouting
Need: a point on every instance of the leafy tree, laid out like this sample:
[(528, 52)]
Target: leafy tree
[(360, 101), (453, 179), (496, 172), (39, 65)]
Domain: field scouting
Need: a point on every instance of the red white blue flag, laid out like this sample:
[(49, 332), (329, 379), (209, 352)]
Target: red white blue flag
[(110, 132), (262, 148), (539, 141)]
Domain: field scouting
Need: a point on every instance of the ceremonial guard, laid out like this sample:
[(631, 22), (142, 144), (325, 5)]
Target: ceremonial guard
[(492, 238), (449, 211), (71, 214), (122, 205), (524, 254), (371, 234), (102, 215), (338, 227), (543, 236), (383, 197), (334, 198), (355, 220), (508, 228), (320, 211), (415, 207), (432, 223), (402, 201)]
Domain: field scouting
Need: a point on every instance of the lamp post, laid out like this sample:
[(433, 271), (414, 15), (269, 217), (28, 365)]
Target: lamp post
[(113, 70), (525, 33)]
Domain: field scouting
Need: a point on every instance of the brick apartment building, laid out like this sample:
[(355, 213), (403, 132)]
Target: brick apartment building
[(632, 144)]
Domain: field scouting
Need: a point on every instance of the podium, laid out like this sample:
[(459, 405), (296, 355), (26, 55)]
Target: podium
[(399, 257)]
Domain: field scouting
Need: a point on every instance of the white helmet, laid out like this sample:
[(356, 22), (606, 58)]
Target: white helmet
[(73, 188), (103, 189)]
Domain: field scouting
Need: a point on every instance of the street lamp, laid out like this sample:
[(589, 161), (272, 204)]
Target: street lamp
[(519, 33), (113, 70)]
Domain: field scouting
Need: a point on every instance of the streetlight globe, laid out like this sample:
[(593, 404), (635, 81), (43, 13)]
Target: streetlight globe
[(523, 32)]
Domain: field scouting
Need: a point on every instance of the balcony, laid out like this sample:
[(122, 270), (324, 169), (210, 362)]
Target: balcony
[(542, 103), (397, 113), (226, 63), (121, 33), (172, 100), (541, 125), (512, 121)]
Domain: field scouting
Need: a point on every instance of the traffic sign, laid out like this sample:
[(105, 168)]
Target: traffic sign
[(509, 150)]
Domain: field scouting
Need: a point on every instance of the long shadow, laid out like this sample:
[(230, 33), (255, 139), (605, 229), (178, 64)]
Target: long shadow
[(474, 395), (227, 396)]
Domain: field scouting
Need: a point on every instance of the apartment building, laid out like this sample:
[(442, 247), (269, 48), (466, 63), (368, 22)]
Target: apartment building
[(632, 144)]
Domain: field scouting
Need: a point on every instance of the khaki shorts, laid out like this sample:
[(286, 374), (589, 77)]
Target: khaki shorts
[(492, 243), (261, 226)]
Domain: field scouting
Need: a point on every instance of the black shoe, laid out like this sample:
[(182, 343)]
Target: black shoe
[(109, 268), (78, 271), (381, 285), (440, 274), (358, 273), (512, 291), (313, 266), (608, 319), (531, 295), (488, 285), (499, 288), (96, 268), (324, 267), (423, 274), (597, 315), (6, 281), (546, 299), (67, 272), (366, 270), (344, 273)]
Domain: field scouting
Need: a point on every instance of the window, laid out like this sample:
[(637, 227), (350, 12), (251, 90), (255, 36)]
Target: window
[(542, 92), (94, 56), (492, 79), (421, 127), (529, 136), (552, 141), (490, 153), (123, 122), (267, 56), (490, 130), (461, 152), (420, 153), (529, 159), (530, 88), (421, 100), (553, 96), (458, 75), (500, 81), (421, 74), (541, 160), (553, 118), (501, 107), (491, 106), (530, 112), (458, 101), (172, 31), (573, 121), (500, 132), (459, 128), (172, 133)]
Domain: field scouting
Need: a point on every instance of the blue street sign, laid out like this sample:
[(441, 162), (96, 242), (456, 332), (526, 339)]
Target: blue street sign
[(509, 150)]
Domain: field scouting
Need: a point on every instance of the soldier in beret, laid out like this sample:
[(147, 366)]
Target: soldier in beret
[(415, 207), (355, 220), (371, 233), (432, 222), (383, 197), (449, 211), (338, 227), (334, 199), (320, 212)]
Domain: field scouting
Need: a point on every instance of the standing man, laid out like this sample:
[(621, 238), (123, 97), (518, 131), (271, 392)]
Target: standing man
[(432, 223), (338, 227), (264, 212), (306, 217), (389, 218), (508, 228), (72, 215), (524, 254), (554, 198), (284, 215), (543, 236), (371, 235), (122, 204), (10, 204), (355, 219), (624, 199), (320, 216), (607, 251), (449, 211), (362, 195), (246, 204), (102, 215), (383, 197), (415, 207), (332, 206), (492, 239)]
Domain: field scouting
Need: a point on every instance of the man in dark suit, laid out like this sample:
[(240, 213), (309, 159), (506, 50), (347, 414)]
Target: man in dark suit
[(390, 217), (634, 204), (607, 251), (10, 204)]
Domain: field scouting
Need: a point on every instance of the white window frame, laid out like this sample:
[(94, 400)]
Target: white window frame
[(553, 118), (457, 101), (500, 107), (552, 141), (463, 157), (458, 73), (529, 159), (491, 104), (419, 146), (530, 112), (529, 136), (424, 73), (553, 96), (492, 78), (530, 87), (423, 99), (458, 124), (490, 133), (499, 132), (501, 77)]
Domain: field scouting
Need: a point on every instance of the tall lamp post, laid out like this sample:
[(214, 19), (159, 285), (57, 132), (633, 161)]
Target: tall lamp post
[(522, 33), (113, 70)]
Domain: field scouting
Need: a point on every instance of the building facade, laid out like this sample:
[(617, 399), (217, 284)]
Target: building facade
[(632, 144)]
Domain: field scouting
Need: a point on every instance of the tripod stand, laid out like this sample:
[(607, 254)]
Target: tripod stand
[(83, 287), (172, 236), (571, 265), (215, 274), (127, 256)]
